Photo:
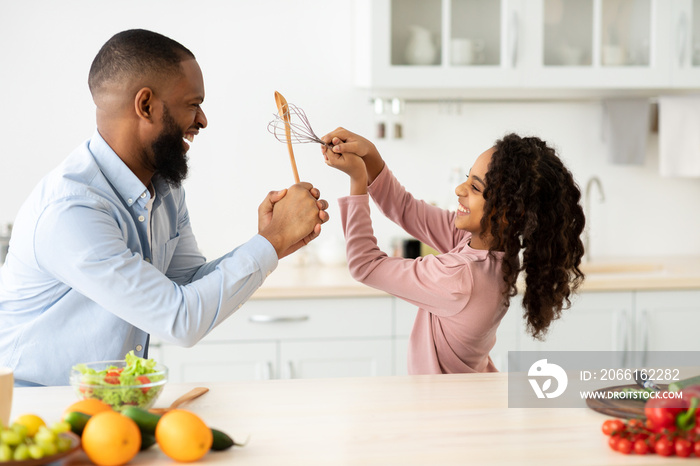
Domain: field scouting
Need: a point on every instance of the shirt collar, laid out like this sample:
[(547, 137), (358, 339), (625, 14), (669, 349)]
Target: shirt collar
[(124, 181)]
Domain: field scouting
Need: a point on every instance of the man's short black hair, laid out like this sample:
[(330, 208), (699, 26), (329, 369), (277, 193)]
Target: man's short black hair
[(136, 52)]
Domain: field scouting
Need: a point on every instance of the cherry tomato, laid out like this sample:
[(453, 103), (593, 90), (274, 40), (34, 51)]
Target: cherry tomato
[(664, 446), (635, 424), (641, 447), (112, 377), (613, 440), (683, 447), (696, 448), (144, 380), (613, 426), (624, 445)]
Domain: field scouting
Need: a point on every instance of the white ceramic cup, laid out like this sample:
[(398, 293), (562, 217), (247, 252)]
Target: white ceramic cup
[(613, 55), (466, 51), (462, 52), (6, 384)]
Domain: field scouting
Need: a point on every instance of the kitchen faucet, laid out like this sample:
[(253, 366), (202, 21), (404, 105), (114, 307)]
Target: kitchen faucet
[(587, 206)]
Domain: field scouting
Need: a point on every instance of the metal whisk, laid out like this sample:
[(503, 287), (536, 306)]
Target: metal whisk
[(298, 124)]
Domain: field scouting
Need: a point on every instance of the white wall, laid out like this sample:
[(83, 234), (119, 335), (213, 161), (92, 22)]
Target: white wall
[(302, 48)]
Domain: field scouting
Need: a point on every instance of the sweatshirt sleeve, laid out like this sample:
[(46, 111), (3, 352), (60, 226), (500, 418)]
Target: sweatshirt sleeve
[(425, 222), (439, 284)]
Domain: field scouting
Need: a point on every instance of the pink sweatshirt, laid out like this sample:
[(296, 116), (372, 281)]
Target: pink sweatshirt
[(458, 292)]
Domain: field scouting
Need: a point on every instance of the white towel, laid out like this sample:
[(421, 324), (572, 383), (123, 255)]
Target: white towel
[(626, 129), (679, 135)]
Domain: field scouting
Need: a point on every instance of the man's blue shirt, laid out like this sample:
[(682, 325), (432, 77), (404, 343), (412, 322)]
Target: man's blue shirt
[(82, 282)]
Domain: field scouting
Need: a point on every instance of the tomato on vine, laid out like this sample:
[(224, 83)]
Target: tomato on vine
[(664, 446), (624, 445), (641, 447)]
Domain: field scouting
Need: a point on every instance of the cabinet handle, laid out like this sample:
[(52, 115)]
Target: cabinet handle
[(644, 334), (290, 370), (622, 337), (514, 33), (265, 319), (682, 38), (265, 370)]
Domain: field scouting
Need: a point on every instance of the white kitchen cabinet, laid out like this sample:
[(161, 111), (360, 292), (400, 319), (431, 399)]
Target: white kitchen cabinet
[(667, 321), (344, 358), (522, 45), (634, 323), (221, 362), (597, 321), (290, 338), (355, 337)]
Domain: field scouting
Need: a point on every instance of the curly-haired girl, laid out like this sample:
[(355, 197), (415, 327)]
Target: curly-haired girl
[(518, 196)]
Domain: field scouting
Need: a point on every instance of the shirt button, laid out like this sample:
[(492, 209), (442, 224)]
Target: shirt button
[(139, 347), (141, 218), (148, 259), (129, 201), (143, 195)]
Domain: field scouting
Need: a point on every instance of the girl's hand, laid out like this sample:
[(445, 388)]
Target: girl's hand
[(345, 142), (351, 164)]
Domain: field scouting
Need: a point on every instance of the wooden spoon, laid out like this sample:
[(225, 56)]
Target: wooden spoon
[(283, 110), (189, 396)]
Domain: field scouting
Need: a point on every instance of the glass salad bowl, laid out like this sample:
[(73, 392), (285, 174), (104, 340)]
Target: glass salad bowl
[(133, 382)]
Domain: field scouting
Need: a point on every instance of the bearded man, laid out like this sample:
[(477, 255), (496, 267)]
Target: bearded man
[(102, 253)]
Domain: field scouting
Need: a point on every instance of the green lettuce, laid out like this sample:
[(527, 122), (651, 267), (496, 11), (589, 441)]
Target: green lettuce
[(115, 385)]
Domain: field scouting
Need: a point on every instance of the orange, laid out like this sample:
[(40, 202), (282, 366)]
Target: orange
[(110, 439), (89, 406), (183, 436)]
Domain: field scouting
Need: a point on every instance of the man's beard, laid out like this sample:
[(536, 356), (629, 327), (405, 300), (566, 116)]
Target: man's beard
[(169, 154)]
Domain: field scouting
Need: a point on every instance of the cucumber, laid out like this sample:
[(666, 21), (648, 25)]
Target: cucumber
[(145, 420), (148, 421), (221, 441), (77, 421), (147, 441), (681, 384)]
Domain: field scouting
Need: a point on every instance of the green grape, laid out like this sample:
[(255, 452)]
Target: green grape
[(60, 427), (36, 452), (45, 436), (49, 448), (21, 452), (63, 444), (21, 429), (5, 452), (10, 437)]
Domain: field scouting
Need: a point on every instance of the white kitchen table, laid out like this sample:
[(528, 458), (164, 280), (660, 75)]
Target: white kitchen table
[(421, 420)]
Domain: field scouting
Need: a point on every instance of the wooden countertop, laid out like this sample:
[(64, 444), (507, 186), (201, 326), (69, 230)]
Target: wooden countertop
[(411, 420), (610, 274)]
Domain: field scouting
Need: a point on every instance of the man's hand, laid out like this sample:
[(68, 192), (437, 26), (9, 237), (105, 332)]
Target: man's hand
[(291, 218)]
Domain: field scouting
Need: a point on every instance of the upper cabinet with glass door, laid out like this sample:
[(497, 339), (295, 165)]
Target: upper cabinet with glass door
[(685, 43), (604, 44), (440, 44), (521, 45)]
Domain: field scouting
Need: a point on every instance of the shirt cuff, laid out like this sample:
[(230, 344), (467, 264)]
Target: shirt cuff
[(267, 259)]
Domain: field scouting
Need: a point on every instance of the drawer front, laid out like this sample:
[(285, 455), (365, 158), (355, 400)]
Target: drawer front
[(307, 318), (405, 317)]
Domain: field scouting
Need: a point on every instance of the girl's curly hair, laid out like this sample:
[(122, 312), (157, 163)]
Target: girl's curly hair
[(533, 203)]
